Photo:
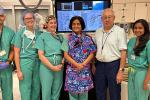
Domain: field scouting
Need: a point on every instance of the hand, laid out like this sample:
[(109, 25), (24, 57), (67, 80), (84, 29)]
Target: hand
[(20, 75), (145, 85), (79, 67), (119, 77), (8, 62), (93, 69), (56, 68)]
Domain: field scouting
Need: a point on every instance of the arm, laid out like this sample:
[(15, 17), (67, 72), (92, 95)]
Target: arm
[(77, 66), (147, 79), (17, 62), (69, 59), (46, 62), (88, 59), (11, 55), (122, 64)]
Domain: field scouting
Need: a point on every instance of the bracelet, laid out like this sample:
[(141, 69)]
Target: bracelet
[(121, 69)]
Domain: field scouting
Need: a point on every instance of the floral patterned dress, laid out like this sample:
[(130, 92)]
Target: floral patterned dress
[(79, 48)]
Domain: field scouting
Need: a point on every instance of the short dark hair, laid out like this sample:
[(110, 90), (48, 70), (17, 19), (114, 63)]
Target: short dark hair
[(80, 20), (144, 38)]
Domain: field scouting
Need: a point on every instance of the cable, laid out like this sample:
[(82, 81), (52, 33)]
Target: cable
[(31, 9)]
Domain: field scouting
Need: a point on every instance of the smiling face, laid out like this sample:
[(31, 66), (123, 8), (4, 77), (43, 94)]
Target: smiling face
[(29, 20), (108, 18), (52, 25), (138, 29), (76, 26)]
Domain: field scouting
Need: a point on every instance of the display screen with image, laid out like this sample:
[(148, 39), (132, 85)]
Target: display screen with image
[(90, 11)]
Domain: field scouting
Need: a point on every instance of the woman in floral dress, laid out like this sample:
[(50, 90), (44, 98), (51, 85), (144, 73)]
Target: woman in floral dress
[(78, 50)]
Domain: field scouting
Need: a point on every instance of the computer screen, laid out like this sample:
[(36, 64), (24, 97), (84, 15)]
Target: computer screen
[(90, 11)]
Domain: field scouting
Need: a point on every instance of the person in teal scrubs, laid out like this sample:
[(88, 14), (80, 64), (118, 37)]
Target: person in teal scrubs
[(6, 56), (139, 62), (51, 56), (26, 59)]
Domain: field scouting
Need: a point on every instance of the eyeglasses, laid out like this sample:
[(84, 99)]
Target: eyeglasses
[(107, 17), (28, 18)]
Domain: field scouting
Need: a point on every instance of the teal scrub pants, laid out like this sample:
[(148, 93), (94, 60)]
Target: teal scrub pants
[(6, 83), (51, 81), (30, 85), (82, 96), (135, 85)]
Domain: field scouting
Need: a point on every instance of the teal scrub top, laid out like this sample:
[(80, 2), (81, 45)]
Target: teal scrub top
[(65, 46), (6, 40), (138, 62), (27, 48), (49, 44)]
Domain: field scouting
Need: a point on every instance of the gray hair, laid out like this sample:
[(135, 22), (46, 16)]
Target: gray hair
[(23, 15), (110, 10)]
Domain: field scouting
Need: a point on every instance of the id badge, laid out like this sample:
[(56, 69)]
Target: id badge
[(133, 57), (2, 53)]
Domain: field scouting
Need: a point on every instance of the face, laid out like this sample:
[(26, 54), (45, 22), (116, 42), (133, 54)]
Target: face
[(2, 19), (29, 20), (108, 19), (76, 26), (52, 25), (138, 29)]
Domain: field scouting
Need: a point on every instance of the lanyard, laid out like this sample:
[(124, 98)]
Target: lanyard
[(104, 39), (23, 42), (58, 37)]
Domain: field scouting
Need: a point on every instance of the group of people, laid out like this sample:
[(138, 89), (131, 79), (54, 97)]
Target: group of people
[(40, 57)]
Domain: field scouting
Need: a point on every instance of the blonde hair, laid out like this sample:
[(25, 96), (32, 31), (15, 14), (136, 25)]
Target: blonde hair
[(50, 17)]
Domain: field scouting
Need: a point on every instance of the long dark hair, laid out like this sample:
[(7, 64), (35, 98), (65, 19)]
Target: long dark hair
[(143, 39)]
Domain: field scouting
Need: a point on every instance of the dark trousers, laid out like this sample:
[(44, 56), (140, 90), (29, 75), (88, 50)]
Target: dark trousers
[(105, 77)]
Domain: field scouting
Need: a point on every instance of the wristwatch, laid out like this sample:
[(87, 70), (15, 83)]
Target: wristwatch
[(121, 69)]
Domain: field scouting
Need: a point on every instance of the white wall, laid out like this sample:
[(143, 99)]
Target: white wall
[(14, 10)]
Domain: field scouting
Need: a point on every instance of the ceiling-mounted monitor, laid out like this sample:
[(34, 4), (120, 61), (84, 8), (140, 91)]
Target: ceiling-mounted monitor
[(90, 10)]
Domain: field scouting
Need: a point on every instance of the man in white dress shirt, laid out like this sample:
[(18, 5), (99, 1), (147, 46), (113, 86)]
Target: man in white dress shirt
[(111, 57)]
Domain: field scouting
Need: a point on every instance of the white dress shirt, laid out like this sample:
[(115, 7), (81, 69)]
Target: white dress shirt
[(110, 44)]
